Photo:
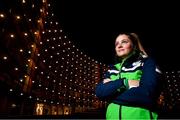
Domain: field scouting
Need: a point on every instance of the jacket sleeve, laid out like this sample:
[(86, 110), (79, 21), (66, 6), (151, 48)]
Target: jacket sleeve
[(107, 90), (147, 92)]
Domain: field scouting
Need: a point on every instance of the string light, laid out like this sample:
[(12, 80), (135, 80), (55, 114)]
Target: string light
[(18, 17), (25, 34), (32, 5), (43, 48), (5, 57), (23, 1), (12, 35), (16, 68), (2, 15)]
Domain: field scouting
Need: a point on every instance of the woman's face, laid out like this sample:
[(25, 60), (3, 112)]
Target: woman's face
[(123, 46)]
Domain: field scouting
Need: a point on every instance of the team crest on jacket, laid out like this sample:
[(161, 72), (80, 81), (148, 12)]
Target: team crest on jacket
[(137, 63)]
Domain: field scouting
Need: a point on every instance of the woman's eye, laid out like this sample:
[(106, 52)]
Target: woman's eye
[(124, 41), (116, 43)]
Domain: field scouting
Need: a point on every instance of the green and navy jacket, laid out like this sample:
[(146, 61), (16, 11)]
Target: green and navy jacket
[(136, 67)]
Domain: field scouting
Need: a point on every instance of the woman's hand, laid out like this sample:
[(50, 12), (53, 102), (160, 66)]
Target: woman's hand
[(106, 80), (133, 83)]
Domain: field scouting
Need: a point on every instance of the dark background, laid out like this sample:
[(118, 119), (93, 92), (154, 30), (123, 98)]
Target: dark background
[(94, 24)]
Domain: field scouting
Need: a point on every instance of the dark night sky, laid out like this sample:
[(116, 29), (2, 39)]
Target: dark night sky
[(93, 26)]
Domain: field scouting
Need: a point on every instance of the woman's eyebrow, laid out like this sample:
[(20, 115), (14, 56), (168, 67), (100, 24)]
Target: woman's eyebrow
[(124, 40)]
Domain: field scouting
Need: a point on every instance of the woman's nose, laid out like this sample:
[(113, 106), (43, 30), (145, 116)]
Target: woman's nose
[(119, 45)]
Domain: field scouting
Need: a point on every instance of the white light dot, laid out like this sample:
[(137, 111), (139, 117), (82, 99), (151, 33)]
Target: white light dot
[(21, 80), (25, 34), (5, 57), (2, 15), (16, 68), (12, 36), (21, 50)]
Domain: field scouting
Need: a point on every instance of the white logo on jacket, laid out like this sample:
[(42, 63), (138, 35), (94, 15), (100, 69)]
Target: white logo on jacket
[(134, 64)]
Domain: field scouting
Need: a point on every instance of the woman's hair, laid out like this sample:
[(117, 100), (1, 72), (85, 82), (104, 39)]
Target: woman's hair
[(136, 42)]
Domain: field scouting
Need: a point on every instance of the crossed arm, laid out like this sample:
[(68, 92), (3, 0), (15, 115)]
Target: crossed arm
[(143, 92)]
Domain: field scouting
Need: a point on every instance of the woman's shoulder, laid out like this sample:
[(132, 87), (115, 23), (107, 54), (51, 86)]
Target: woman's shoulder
[(146, 58), (149, 59), (152, 61)]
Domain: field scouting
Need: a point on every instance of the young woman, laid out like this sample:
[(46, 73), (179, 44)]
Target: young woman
[(131, 85)]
